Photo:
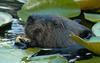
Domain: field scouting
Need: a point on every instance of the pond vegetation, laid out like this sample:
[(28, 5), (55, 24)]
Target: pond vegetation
[(85, 12)]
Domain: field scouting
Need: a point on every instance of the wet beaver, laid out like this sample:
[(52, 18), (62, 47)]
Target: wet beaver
[(47, 31)]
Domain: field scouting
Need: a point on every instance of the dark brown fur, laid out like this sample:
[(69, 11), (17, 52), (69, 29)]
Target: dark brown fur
[(51, 31)]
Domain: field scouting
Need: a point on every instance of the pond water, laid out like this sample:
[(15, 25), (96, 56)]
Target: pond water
[(10, 54)]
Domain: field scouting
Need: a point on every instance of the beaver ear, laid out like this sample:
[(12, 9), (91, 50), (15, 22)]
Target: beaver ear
[(30, 20)]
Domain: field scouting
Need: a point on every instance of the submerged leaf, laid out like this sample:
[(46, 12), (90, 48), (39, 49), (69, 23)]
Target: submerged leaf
[(96, 29), (11, 55), (32, 50), (49, 7), (92, 17)]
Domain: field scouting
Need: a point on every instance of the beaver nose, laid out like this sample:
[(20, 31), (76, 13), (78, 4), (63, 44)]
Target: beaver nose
[(86, 34)]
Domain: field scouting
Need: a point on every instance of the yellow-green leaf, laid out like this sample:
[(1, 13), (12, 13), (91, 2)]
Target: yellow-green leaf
[(91, 45), (88, 4), (31, 51)]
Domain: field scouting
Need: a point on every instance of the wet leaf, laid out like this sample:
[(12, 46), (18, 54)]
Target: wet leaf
[(91, 45), (49, 7), (96, 29), (5, 18), (49, 59), (92, 17)]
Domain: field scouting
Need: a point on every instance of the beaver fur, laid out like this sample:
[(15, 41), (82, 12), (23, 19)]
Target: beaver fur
[(51, 31)]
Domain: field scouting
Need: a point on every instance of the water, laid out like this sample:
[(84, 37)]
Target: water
[(16, 29)]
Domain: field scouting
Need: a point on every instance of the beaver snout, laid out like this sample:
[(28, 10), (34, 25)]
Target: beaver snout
[(86, 34)]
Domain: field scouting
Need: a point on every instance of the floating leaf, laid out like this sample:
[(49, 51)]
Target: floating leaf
[(91, 45), (92, 60), (49, 59), (5, 18), (88, 4), (92, 17), (31, 51), (96, 29), (11, 55), (22, 1), (66, 8), (94, 39)]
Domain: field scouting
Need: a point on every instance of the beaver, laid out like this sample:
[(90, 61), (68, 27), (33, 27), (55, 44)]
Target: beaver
[(48, 31)]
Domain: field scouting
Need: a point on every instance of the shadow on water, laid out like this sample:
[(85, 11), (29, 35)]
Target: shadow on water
[(4, 28)]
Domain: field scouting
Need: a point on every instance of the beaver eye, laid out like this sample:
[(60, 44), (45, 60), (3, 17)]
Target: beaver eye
[(37, 30)]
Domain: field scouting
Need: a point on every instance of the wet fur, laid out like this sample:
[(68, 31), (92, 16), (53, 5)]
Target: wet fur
[(51, 31)]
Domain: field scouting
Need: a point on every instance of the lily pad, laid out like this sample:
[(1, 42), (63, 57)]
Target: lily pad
[(22, 1), (49, 59), (88, 4), (96, 29), (92, 17), (12, 55), (93, 60), (91, 45), (94, 39), (31, 51), (49, 7), (5, 18)]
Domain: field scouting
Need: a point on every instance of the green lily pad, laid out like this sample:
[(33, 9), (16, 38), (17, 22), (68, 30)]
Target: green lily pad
[(94, 39), (49, 7), (49, 59), (92, 17), (96, 29), (92, 60), (5, 18), (12, 55)]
